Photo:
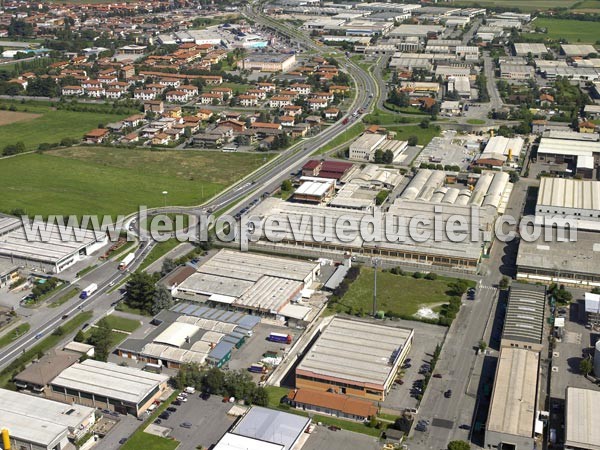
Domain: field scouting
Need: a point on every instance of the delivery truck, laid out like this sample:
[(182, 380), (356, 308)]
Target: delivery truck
[(88, 291), (126, 261)]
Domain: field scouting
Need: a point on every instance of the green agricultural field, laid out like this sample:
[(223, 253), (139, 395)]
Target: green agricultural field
[(424, 135), (526, 6), (97, 180), (574, 31), (588, 6), (52, 126), (402, 295)]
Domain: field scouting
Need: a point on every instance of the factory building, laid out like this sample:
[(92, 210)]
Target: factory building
[(189, 333), (582, 413), (265, 429), (512, 419), (363, 148), (424, 197), (569, 150), (36, 423), (355, 358), (250, 282), (524, 319), (501, 150), (578, 200), (534, 49), (97, 384), (50, 249), (268, 62), (314, 190), (569, 262)]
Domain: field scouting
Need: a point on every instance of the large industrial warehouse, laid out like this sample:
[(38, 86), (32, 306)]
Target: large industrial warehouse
[(37, 423), (511, 423), (524, 319), (48, 250), (355, 358), (108, 386), (191, 334), (582, 414), (426, 197), (250, 282)]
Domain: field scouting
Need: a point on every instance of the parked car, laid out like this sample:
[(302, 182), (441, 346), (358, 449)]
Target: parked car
[(122, 441), (437, 375), (171, 409), (186, 425), (177, 402), (334, 428), (448, 393), (464, 426), (157, 422)]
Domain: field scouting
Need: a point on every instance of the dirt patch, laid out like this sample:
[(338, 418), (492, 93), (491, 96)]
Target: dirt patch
[(8, 117)]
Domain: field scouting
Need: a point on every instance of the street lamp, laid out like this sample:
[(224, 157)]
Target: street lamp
[(375, 264), (165, 194)]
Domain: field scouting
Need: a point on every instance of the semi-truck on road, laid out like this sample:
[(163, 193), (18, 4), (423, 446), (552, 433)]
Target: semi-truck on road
[(88, 290), (126, 261)]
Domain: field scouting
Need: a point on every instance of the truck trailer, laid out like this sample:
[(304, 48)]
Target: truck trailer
[(88, 291), (126, 261), (280, 337)]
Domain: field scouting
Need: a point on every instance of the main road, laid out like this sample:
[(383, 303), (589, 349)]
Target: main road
[(267, 178)]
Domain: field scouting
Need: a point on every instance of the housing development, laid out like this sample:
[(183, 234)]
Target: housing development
[(299, 225)]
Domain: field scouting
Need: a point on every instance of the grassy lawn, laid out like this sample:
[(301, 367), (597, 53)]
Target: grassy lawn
[(64, 298), (150, 442), (531, 5), (406, 109), (402, 295), (574, 31), (52, 126), (128, 309), (41, 347), (160, 249), (240, 87), (122, 323), (96, 180), (424, 135), (590, 6), (140, 440), (349, 134), (14, 334), (380, 117), (476, 121), (115, 339)]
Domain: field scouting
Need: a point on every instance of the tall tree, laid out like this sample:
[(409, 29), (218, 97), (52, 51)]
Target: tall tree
[(161, 299)]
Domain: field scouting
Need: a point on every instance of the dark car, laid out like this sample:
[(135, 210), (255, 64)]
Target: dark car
[(334, 428), (122, 441), (448, 393), (164, 415), (437, 375), (158, 421), (464, 426), (171, 409), (205, 396), (177, 403), (186, 425)]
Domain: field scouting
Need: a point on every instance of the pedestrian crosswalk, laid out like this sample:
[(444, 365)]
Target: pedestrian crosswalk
[(485, 287)]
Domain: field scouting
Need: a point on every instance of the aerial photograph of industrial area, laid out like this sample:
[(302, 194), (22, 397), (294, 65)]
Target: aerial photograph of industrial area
[(300, 224)]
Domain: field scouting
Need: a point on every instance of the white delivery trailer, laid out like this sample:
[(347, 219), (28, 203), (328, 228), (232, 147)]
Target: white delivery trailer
[(88, 291), (126, 261)]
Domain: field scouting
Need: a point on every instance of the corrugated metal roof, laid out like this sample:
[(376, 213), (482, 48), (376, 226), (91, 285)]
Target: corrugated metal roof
[(569, 193)]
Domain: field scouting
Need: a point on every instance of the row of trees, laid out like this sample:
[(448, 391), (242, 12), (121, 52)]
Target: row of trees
[(235, 383)]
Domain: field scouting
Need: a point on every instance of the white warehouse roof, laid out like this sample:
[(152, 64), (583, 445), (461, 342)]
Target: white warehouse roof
[(582, 416), (232, 441), (177, 334), (109, 380), (570, 147), (569, 193)]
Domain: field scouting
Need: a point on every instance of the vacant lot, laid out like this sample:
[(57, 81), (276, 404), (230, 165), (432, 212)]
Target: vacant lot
[(574, 31), (402, 295), (8, 117), (424, 135), (50, 125), (91, 180)]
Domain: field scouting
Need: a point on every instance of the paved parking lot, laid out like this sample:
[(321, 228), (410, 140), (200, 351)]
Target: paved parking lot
[(254, 348), (324, 439), (424, 342), (451, 149), (209, 421)]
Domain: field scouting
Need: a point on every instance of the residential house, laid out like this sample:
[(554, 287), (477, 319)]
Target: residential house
[(209, 98), (279, 101), (161, 139), (331, 113), (292, 110), (287, 121), (96, 136), (267, 87), (155, 106), (177, 97), (314, 104), (113, 93), (248, 100), (95, 92), (302, 89), (258, 93), (145, 94), (72, 90), (133, 121)]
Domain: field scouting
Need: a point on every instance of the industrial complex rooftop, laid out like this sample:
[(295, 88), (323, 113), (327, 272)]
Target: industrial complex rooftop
[(356, 352), (35, 419), (110, 380), (272, 426), (582, 414), (569, 193), (513, 404), (524, 320)]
